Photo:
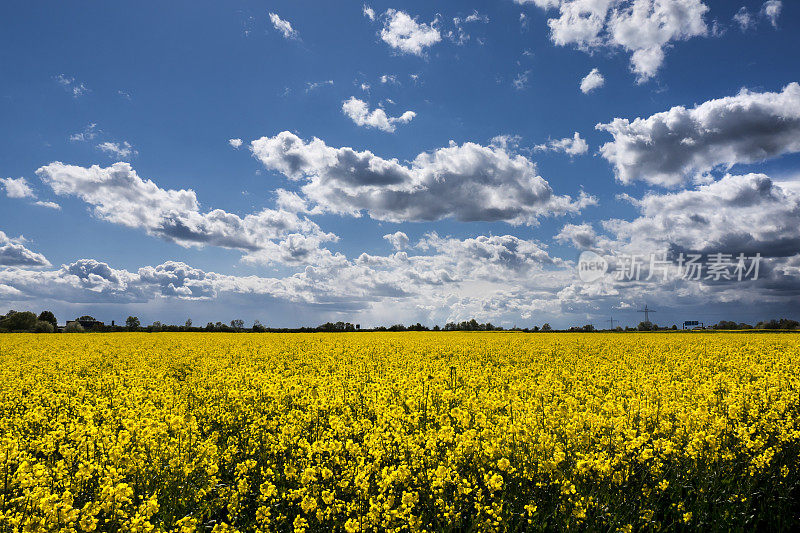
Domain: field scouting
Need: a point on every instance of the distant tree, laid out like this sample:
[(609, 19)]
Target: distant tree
[(783, 323), (588, 328), (156, 326), (188, 323), (43, 327), (210, 326), (674, 327), (87, 318), (237, 324), (546, 327), (471, 325), (338, 326), (132, 323), (259, 327), (646, 326), (18, 321), (48, 316), (73, 327)]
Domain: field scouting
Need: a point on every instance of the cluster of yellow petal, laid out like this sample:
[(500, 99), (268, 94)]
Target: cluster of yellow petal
[(398, 432)]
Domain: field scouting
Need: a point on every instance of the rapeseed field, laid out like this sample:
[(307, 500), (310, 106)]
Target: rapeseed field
[(399, 432)]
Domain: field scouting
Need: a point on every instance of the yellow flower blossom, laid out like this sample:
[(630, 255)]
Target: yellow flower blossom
[(397, 431)]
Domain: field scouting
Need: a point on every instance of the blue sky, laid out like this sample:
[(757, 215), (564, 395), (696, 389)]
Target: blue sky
[(97, 99)]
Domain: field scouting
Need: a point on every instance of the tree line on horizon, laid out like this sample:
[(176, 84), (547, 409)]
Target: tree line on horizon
[(45, 322)]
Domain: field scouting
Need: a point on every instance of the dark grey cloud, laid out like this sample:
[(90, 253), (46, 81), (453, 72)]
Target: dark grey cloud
[(749, 213), (469, 182), (14, 254), (670, 148)]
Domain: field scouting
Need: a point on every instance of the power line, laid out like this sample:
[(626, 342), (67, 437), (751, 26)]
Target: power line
[(646, 312)]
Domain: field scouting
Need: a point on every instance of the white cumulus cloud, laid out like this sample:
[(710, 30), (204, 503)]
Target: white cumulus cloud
[(283, 26), (644, 28), (404, 33), (669, 148), (17, 188), (120, 196), (358, 111), (593, 80), (398, 239), (574, 145)]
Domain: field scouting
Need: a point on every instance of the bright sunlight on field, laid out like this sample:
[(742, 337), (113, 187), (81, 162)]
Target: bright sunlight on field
[(397, 432)]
